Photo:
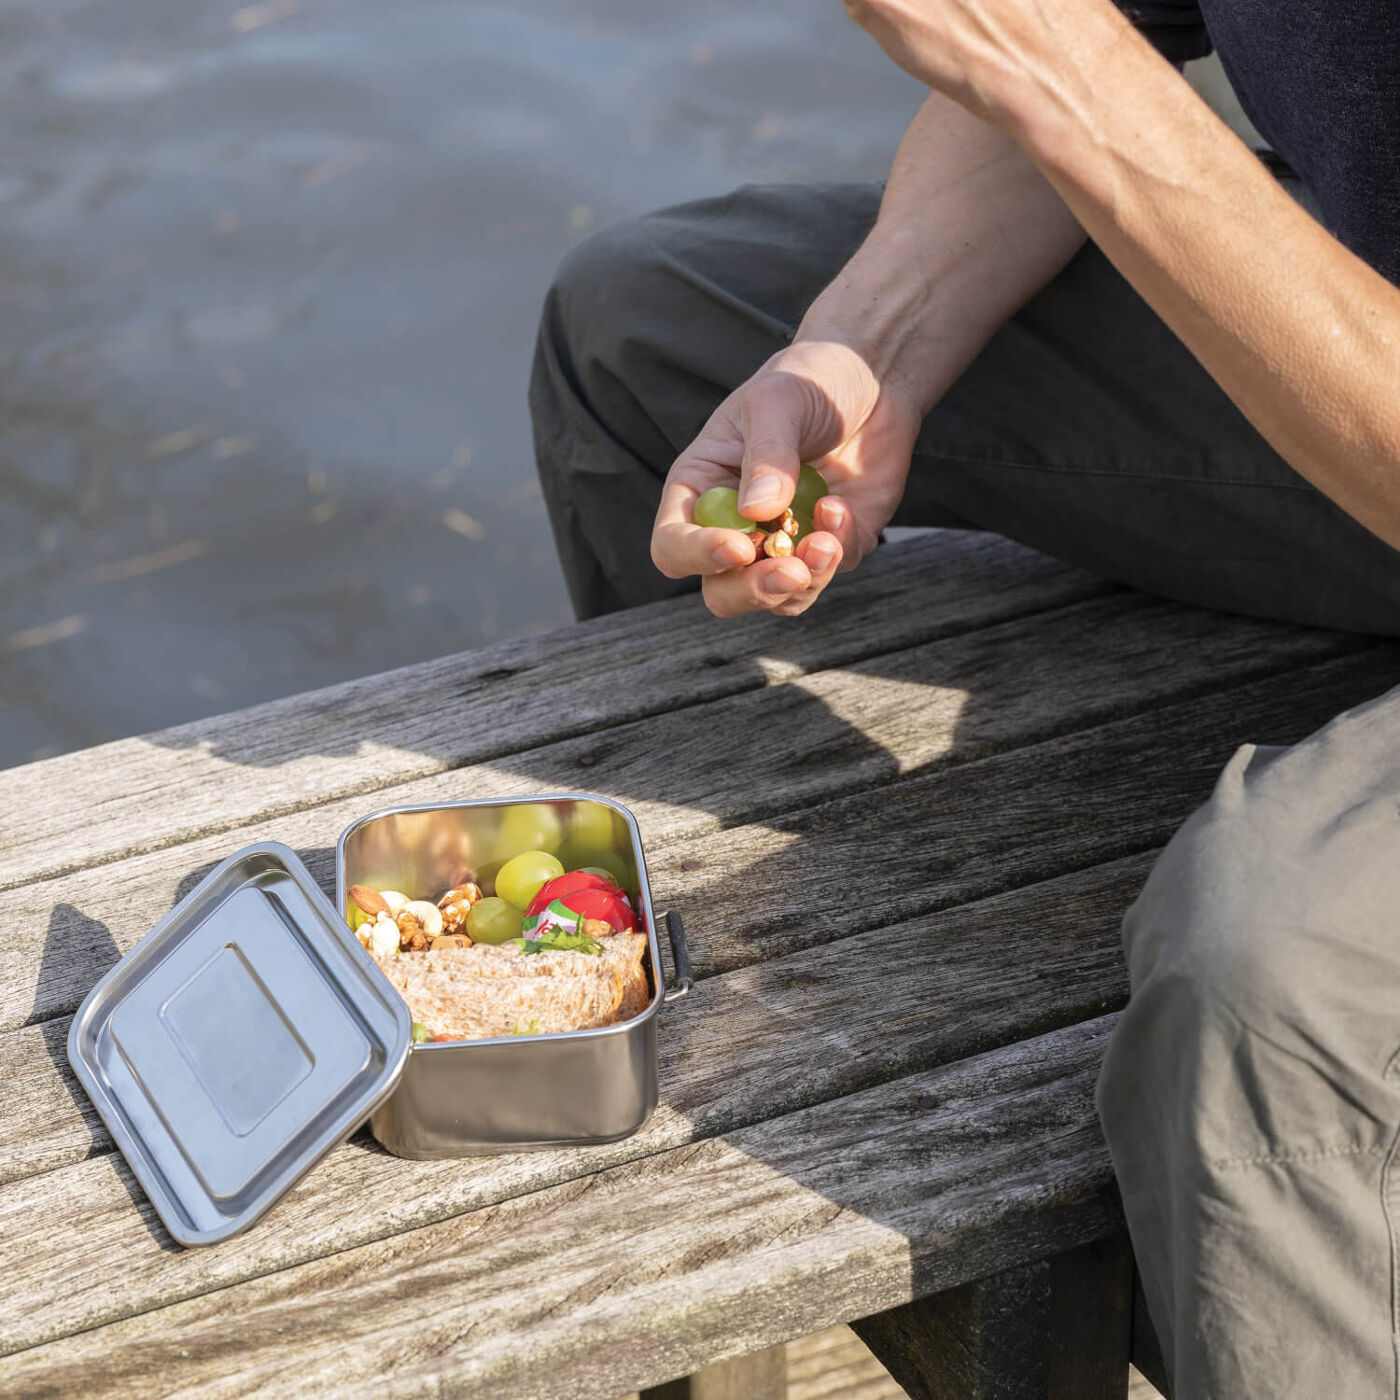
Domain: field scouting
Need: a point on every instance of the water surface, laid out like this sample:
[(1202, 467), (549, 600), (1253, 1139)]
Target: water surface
[(270, 276)]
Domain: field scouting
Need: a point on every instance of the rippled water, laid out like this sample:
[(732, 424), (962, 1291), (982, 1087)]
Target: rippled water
[(270, 276)]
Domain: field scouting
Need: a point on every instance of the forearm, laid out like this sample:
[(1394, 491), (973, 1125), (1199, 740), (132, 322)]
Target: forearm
[(1302, 335), (968, 230)]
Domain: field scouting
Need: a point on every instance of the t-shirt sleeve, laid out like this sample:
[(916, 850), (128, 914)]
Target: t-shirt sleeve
[(1173, 27)]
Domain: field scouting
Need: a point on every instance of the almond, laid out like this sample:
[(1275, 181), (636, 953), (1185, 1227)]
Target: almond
[(371, 901)]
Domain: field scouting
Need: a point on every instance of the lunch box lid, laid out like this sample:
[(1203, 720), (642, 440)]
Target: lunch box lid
[(245, 1036)]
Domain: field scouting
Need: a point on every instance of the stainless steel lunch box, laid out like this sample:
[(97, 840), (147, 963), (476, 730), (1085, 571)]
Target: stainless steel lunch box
[(528, 1091), (249, 1032)]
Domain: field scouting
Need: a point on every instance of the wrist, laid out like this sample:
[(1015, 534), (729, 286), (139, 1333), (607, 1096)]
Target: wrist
[(874, 307)]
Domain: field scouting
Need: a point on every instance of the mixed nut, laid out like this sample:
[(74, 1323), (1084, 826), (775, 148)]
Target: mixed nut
[(397, 924)]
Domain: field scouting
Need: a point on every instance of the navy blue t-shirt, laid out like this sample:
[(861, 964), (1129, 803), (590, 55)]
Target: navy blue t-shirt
[(1321, 81)]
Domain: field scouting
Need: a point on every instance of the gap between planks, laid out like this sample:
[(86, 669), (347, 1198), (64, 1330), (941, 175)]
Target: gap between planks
[(75, 811), (830, 734), (1071, 803), (799, 1031), (799, 1222)]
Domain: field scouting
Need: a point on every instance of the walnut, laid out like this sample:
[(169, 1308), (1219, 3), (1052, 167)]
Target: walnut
[(778, 546), (413, 937), (596, 928), (456, 904)]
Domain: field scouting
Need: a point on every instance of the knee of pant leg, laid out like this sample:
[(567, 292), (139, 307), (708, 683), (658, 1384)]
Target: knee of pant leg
[(1203, 916), (588, 290), (1205, 956), (1250, 972)]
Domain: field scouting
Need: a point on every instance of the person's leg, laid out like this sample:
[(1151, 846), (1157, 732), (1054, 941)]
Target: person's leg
[(1085, 428), (1251, 1090)]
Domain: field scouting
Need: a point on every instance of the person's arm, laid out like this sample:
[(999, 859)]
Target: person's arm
[(968, 230), (1302, 334)]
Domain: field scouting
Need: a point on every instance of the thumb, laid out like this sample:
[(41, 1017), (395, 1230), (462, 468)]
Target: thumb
[(773, 422)]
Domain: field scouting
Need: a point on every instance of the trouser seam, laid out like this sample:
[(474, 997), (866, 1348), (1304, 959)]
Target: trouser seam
[(1318, 1155)]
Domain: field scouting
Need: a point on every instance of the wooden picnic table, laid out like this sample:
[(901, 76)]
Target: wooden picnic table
[(901, 831)]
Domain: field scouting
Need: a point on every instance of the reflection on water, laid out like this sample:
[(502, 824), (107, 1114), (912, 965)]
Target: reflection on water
[(269, 276)]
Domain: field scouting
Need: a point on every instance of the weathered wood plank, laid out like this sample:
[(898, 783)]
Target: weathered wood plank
[(856, 1206), (823, 735), (773, 1038), (1055, 1329), (938, 838), (929, 841), (79, 810)]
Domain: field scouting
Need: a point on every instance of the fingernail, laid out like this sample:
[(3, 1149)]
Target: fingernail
[(786, 578), (762, 489), (730, 556), (820, 558)]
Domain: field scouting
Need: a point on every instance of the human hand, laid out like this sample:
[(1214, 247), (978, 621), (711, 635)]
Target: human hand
[(815, 401)]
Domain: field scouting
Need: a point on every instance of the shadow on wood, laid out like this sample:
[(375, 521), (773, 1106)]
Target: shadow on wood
[(1058, 1329)]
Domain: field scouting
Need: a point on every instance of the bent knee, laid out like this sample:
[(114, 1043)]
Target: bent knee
[(604, 288), (1235, 926)]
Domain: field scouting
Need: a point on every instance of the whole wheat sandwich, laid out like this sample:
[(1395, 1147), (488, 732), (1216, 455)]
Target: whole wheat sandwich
[(498, 990)]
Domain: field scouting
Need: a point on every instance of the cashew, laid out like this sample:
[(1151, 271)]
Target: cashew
[(427, 914)]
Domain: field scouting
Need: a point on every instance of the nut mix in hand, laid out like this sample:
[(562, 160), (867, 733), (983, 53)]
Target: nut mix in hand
[(772, 539), (568, 957)]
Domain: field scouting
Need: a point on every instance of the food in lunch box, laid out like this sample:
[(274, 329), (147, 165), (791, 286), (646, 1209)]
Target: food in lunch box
[(483, 991), (456, 906), (580, 896), (519, 878), (494, 921), (773, 539), (569, 957)]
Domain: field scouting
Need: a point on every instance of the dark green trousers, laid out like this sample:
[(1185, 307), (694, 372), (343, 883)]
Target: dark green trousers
[(1251, 1093)]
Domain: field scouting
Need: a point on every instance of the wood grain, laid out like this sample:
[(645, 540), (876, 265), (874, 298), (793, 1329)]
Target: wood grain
[(84, 809), (944, 811), (772, 1038), (818, 737), (848, 1208), (937, 838), (930, 841)]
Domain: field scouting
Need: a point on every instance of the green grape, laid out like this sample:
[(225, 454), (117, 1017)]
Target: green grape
[(520, 878), (599, 870), (532, 826), (594, 825), (493, 921), (811, 487), (719, 506)]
